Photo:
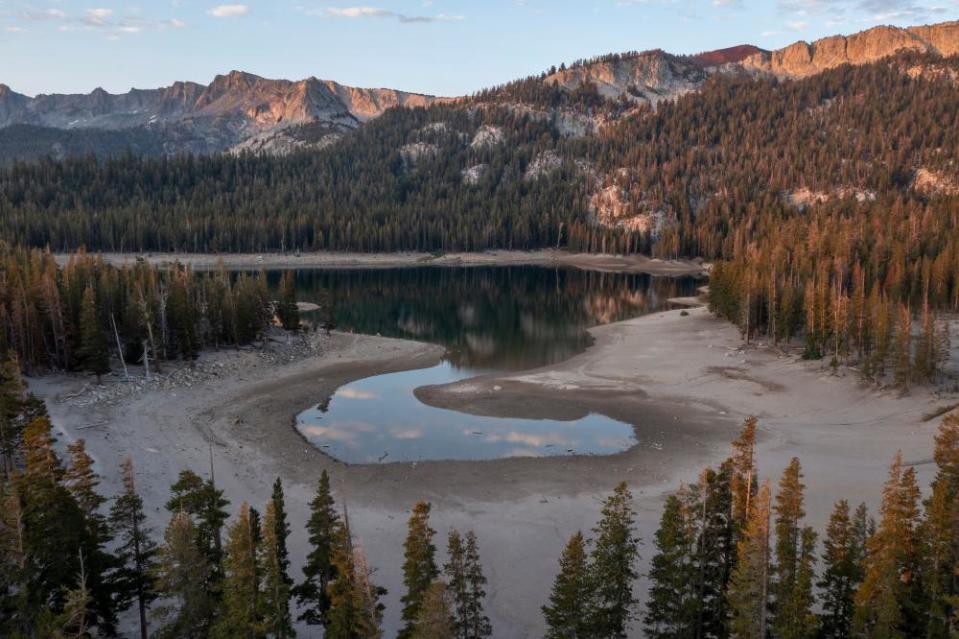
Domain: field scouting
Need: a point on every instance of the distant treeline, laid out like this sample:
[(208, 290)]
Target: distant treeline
[(72, 317)]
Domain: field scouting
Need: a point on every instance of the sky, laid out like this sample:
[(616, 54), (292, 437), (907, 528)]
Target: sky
[(441, 47)]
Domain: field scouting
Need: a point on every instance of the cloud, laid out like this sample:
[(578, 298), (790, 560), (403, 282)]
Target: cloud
[(100, 19), (407, 433), (97, 17), (228, 10), (353, 13), (352, 393), (48, 14), (875, 8)]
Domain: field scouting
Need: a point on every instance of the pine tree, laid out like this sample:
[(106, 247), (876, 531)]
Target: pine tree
[(710, 503), (884, 598), (455, 586), (419, 565), (792, 586), (902, 354), (672, 606), (82, 481), (569, 611), (55, 530), (749, 587), (939, 536), (183, 573), (436, 619), (613, 562), (319, 570), (286, 309), (282, 529), (743, 481), (202, 500), (238, 617), (843, 553), (93, 351), (476, 624), (354, 610), (276, 583), (136, 551), (12, 396)]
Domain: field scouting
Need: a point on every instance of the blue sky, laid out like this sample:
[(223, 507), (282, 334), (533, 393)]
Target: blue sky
[(445, 47)]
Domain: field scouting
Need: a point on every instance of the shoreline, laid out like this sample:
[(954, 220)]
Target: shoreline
[(685, 382), (348, 260)]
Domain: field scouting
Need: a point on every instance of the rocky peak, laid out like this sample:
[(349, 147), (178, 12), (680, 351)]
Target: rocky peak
[(802, 59)]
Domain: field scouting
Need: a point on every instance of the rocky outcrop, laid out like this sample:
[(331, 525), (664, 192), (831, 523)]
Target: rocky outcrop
[(487, 136), (803, 59), (231, 110), (416, 152), (366, 104), (651, 76), (931, 182)]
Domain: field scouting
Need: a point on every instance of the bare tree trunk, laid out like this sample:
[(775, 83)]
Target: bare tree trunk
[(116, 334)]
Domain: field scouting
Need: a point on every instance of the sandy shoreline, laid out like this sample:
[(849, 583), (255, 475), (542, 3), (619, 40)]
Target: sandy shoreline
[(324, 259), (683, 381)]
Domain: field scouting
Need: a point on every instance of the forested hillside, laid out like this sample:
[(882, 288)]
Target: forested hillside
[(829, 203)]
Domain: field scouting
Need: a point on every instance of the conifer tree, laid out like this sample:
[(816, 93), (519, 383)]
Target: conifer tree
[(93, 351), (319, 570), (939, 536), (136, 551), (238, 616), (277, 620), (672, 606), (792, 587), (354, 610), (475, 623), (749, 587), (743, 483), (56, 531), (710, 503), (183, 573), (282, 529), (11, 409), (843, 553), (436, 618), (204, 501), (419, 565), (884, 599), (613, 562), (286, 309), (569, 610)]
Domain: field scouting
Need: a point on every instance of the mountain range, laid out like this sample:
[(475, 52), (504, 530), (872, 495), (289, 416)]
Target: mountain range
[(244, 112)]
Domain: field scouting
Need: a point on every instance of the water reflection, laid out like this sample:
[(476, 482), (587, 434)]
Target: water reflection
[(501, 318), (379, 420), (490, 319)]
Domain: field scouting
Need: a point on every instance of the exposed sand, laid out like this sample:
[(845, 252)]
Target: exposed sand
[(844, 434), (681, 379), (325, 259)]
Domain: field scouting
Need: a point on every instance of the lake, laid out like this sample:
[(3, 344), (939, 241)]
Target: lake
[(490, 319)]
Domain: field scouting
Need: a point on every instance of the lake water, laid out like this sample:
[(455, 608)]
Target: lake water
[(490, 319)]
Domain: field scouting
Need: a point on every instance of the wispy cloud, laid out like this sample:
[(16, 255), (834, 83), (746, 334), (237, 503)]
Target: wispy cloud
[(100, 19), (861, 10), (228, 10), (354, 13)]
